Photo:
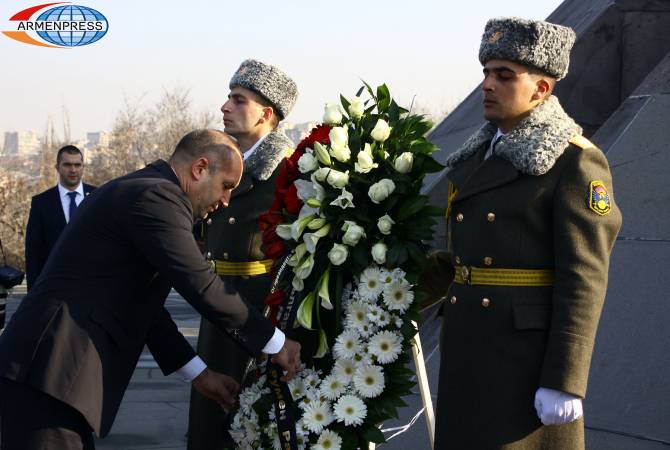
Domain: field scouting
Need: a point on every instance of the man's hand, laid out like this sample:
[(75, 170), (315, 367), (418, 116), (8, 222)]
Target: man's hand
[(288, 358), (556, 407), (218, 387)]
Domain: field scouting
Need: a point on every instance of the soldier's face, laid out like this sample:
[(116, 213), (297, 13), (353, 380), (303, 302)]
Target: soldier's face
[(70, 169), (242, 112), (510, 92), (213, 188)]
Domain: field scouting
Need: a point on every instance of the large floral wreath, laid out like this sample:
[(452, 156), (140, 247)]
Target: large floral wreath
[(349, 214)]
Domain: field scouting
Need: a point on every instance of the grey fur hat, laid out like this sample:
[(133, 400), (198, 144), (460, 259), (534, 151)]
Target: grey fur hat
[(269, 82), (542, 45)]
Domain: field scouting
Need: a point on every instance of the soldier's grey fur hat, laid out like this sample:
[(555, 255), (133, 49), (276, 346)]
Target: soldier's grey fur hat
[(269, 82), (541, 45)]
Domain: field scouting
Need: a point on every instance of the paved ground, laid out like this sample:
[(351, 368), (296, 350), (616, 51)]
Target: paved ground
[(154, 411)]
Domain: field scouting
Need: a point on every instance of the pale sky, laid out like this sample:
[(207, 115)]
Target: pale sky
[(425, 49)]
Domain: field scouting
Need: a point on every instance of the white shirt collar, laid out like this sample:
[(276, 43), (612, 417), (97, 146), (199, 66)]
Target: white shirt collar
[(253, 148), (497, 136), (64, 191)]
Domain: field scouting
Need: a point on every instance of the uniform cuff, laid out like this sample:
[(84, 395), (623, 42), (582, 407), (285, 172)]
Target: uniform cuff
[(192, 369), (275, 343)]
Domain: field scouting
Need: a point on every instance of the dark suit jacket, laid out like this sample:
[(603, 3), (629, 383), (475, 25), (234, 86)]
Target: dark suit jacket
[(79, 332), (45, 224)]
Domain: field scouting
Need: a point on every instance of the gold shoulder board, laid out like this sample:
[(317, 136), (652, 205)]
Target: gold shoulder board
[(581, 142)]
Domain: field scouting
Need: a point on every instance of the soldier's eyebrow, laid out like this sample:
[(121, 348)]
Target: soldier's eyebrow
[(237, 97), (498, 70)]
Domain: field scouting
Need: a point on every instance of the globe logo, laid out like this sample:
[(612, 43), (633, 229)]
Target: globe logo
[(62, 26), (73, 13)]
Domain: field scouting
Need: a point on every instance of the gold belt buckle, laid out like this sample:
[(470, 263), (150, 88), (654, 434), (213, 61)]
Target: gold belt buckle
[(465, 274)]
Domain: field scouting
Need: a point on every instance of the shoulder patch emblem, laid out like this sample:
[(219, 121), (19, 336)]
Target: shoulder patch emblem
[(599, 198), (495, 37), (581, 142)]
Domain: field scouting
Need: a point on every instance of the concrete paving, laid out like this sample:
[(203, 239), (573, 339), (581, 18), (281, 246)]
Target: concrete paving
[(154, 412)]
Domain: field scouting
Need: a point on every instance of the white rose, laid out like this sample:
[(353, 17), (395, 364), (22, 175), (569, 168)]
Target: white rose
[(385, 223), (338, 179), (332, 114), (321, 174), (307, 163), (403, 163), (338, 254), (342, 154), (352, 233), (339, 137), (379, 252), (381, 131), (366, 161), (356, 107), (322, 154), (380, 191)]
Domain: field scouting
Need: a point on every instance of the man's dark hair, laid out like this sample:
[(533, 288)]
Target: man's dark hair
[(214, 145), (276, 115), (70, 150)]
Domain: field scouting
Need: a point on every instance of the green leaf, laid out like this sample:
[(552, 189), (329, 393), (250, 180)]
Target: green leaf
[(397, 255), (349, 440), (360, 91), (345, 102), (370, 91), (383, 98), (373, 434), (416, 253), (411, 206), (430, 210), (394, 111), (429, 165), (423, 146)]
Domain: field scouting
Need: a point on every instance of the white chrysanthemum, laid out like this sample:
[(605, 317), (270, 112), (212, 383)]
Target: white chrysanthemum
[(379, 316), (370, 285), (249, 396), (332, 387), (362, 360), (311, 396), (347, 344), (369, 381), (301, 428), (250, 430), (297, 388), (329, 440), (368, 329), (344, 370), (357, 315), (398, 295), (397, 274), (311, 380), (351, 410), (317, 415), (273, 433), (385, 346)]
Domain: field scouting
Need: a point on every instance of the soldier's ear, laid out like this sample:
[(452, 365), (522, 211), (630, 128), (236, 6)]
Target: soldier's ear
[(542, 89)]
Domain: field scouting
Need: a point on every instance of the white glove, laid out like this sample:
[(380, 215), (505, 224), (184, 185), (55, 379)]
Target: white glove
[(556, 407)]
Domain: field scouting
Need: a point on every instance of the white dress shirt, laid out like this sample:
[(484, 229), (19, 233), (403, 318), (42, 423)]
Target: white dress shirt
[(253, 148), (65, 199), (499, 134)]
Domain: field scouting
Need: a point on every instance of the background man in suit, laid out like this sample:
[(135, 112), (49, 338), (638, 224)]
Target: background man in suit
[(531, 224), (68, 353), (50, 211), (260, 97)]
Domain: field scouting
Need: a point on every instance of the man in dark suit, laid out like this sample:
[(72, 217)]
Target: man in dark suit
[(50, 210), (68, 353)]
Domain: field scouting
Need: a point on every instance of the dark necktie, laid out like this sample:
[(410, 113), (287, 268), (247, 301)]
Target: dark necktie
[(73, 203)]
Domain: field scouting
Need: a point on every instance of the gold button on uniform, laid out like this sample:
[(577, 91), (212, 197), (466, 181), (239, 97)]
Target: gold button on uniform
[(486, 302), (209, 221), (225, 255), (458, 259), (459, 217), (209, 255), (488, 260), (490, 217), (231, 221), (453, 300)]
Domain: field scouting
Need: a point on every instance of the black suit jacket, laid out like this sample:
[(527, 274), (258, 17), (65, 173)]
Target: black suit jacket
[(45, 225), (79, 332)]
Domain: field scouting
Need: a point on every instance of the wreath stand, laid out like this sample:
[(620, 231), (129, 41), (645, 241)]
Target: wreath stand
[(424, 388)]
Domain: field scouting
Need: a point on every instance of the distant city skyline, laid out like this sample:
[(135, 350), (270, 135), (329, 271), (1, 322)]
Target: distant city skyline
[(426, 52)]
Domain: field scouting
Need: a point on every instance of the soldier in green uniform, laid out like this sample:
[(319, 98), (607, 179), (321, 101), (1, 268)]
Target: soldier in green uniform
[(531, 224), (260, 97)]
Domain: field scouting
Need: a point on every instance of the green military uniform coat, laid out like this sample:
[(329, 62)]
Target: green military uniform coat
[(233, 234), (528, 207)]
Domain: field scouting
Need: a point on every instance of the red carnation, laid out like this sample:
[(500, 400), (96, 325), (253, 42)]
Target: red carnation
[(274, 301), (275, 250), (318, 134), (291, 200)]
